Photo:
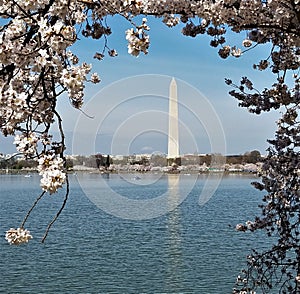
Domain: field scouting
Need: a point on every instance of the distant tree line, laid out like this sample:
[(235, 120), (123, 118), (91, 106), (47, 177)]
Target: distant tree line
[(94, 161), (99, 160), (17, 164), (248, 157)]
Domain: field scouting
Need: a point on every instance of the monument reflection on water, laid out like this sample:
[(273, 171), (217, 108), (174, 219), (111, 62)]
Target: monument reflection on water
[(174, 247)]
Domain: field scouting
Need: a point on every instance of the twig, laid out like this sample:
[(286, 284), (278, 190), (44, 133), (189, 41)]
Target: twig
[(12, 156), (32, 207), (85, 114), (59, 212)]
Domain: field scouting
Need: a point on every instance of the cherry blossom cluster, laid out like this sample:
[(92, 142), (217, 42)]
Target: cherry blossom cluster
[(73, 79), (51, 168), (26, 143), (138, 40), (17, 236), (171, 20)]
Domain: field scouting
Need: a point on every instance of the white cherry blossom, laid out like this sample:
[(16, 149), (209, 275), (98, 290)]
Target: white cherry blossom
[(17, 236), (26, 143)]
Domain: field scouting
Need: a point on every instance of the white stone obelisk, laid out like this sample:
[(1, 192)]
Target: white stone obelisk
[(173, 140)]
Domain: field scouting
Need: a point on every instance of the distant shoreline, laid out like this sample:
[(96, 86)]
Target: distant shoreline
[(97, 171)]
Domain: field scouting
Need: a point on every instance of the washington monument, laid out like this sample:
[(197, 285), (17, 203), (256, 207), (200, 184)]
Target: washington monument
[(173, 139)]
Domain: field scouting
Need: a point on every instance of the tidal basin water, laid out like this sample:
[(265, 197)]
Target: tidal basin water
[(192, 249)]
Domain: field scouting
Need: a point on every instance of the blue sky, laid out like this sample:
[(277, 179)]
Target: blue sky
[(192, 62)]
